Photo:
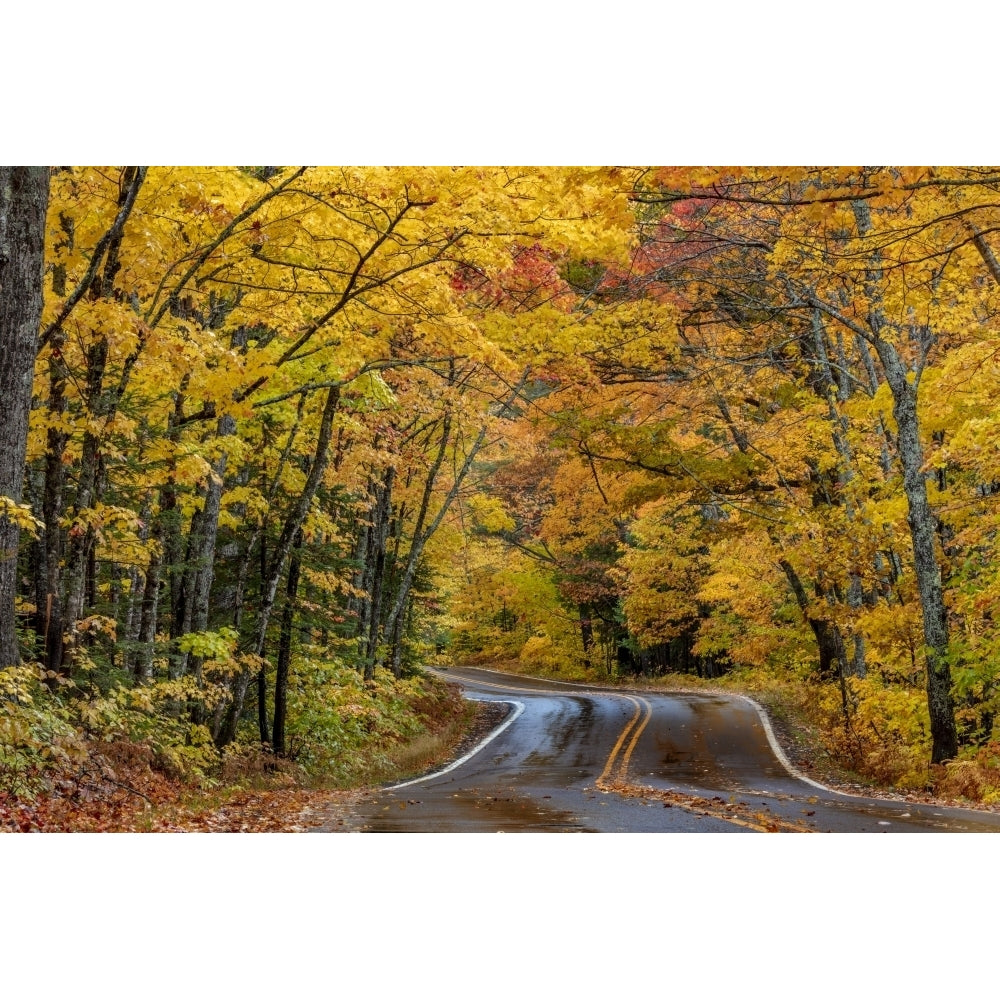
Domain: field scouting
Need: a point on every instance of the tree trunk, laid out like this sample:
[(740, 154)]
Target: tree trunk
[(137, 586), (923, 523), (920, 516), (285, 648), (396, 641), (375, 563), (208, 536), (265, 736), (150, 606), (839, 427), (586, 633), (830, 643), (24, 198)]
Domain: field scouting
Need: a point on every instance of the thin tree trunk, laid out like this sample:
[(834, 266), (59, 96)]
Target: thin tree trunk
[(208, 536), (187, 576), (586, 633), (285, 648), (378, 538), (262, 705), (396, 641), (137, 586), (34, 485), (150, 607)]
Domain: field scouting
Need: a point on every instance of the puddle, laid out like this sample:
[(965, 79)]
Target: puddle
[(471, 811)]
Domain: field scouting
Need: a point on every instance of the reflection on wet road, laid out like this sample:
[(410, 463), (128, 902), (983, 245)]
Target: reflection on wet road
[(589, 759)]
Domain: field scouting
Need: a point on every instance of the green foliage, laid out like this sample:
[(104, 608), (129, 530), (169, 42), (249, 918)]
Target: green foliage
[(150, 716), (210, 645), (37, 737), (584, 275), (46, 735), (342, 729)]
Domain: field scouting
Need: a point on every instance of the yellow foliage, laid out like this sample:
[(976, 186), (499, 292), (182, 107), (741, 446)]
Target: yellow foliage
[(20, 514), (489, 514)]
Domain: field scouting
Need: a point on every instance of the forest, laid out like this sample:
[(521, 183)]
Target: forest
[(275, 438)]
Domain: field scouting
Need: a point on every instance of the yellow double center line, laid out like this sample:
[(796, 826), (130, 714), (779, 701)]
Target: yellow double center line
[(631, 733)]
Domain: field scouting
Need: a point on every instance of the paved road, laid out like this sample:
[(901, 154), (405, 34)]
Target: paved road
[(585, 759)]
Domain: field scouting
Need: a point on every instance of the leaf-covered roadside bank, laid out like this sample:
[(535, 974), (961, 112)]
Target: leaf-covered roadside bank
[(101, 765)]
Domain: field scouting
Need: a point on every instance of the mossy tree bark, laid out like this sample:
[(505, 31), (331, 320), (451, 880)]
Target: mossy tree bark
[(24, 199)]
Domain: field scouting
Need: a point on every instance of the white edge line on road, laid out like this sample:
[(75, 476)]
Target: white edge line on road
[(518, 709), (780, 754)]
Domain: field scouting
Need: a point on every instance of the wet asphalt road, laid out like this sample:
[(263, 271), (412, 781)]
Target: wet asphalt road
[(578, 758)]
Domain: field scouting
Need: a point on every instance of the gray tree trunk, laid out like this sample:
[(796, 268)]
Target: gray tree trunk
[(923, 524), (24, 199), (920, 515), (856, 664), (378, 537), (204, 559), (285, 651)]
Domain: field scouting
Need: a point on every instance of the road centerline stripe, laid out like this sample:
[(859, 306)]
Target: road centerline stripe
[(623, 769), (621, 739)]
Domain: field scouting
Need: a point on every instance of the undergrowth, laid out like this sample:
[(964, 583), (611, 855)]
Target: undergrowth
[(133, 759)]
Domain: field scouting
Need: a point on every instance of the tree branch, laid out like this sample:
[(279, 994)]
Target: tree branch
[(113, 234)]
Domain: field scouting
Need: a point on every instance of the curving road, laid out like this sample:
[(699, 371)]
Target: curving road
[(572, 757)]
